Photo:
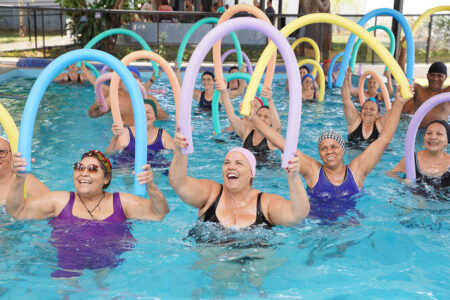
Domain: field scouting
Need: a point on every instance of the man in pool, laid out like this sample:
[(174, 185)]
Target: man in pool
[(34, 186), (126, 107), (437, 74), (332, 184)]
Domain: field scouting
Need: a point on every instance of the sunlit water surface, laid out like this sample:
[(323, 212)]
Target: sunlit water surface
[(396, 245)]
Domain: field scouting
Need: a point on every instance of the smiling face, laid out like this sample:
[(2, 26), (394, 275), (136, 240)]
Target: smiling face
[(303, 72), (90, 182), (264, 114), (435, 138), (149, 114), (369, 112), (436, 81), (372, 85), (331, 153), (307, 83), (236, 171), (207, 81), (5, 162)]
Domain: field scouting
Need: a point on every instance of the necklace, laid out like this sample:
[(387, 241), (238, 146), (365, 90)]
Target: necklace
[(92, 210)]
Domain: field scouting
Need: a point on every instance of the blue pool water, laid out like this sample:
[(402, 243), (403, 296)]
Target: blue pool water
[(396, 245)]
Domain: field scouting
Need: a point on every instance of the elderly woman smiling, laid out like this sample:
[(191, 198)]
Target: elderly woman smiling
[(89, 224), (235, 203)]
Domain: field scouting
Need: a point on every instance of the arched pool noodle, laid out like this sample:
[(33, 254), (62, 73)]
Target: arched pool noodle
[(359, 41), (104, 69), (123, 31), (331, 67), (46, 77), (99, 93), (425, 15), (216, 96), (321, 75), (409, 40), (295, 105), (114, 88), (315, 47), (12, 133), (10, 128), (413, 126), (247, 60), (217, 46), (384, 91), (191, 31), (336, 20)]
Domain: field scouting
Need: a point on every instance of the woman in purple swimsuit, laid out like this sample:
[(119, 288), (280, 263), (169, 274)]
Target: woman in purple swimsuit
[(89, 225), (332, 184), (235, 203), (157, 139)]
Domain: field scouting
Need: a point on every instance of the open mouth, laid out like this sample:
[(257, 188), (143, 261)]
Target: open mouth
[(232, 177)]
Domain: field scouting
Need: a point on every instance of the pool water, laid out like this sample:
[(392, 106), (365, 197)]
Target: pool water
[(395, 245)]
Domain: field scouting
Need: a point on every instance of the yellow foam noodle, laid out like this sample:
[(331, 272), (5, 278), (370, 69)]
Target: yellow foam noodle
[(315, 47), (371, 41)]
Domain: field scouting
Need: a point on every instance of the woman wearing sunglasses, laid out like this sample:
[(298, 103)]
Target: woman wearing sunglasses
[(89, 218)]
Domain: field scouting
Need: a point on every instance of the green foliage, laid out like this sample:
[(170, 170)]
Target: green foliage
[(84, 25)]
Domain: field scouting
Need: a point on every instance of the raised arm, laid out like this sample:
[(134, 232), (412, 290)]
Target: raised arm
[(390, 89), (289, 213), (37, 207), (136, 207), (192, 191), (236, 123), (364, 163), (117, 131), (309, 167), (150, 82), (351, 115), (88, 75), (274, 117)]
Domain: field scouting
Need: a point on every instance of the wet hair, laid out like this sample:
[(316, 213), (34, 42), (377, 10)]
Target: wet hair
[(105, 164), (304, 67), (233, 68), (263, 106), (446, 126), (209, 73), (373, 99)]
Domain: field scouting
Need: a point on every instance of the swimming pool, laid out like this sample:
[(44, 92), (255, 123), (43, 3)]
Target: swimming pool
[(395, 245)]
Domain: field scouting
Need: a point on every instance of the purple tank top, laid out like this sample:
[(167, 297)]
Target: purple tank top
[(89, 244), (328, 201), (153, 148)]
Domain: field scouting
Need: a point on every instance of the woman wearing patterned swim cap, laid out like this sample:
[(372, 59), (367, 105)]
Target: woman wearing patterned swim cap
[(331, 184)]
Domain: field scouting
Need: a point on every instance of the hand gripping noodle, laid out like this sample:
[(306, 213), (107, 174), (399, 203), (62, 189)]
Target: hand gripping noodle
[(54, 68), (288, 55)]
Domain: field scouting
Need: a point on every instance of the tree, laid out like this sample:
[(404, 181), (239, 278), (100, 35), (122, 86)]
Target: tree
[(86, 25), (313, 30)]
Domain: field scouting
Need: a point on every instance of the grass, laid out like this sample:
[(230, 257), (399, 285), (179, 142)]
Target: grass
[(7, 37)]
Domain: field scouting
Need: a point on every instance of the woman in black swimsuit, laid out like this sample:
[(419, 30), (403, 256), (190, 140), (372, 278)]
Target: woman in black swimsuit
[(72, 76), (433, 163), (252, 139), (235, 203), (363, 126), (204, 98)]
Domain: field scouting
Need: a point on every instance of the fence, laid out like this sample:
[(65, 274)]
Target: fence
[(431, 40)]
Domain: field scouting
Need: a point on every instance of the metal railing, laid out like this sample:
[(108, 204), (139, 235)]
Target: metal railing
[(34, 13)]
